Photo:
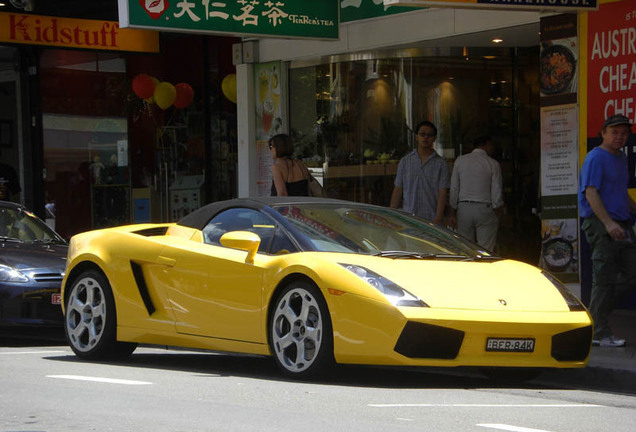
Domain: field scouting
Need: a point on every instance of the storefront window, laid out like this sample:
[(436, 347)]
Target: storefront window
[(362, 122), (112, 158), (87, 175)]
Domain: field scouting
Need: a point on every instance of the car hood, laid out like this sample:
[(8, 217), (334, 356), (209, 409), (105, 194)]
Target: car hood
[(25, 256), (496, 285)]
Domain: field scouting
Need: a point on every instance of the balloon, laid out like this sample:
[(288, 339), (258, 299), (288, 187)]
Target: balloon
[(184, 97), (229, 87), (165, 93), (143, 85), (151, 99)]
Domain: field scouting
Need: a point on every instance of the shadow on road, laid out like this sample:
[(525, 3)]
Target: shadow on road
[(214, 365), (26, 337)]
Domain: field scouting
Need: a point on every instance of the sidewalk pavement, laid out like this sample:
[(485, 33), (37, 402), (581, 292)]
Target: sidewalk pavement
[(623, 323)]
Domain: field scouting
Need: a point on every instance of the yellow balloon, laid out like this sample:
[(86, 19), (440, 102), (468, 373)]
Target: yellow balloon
[(165, 93), (151, 99), (229, 87)]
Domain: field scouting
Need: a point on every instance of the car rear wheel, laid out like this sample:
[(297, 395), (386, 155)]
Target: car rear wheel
[(90, 321), (301, 336)]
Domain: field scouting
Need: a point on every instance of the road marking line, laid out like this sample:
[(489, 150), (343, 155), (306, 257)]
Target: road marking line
[(511, 428), (31, 352), (98, 379), (490, 405)]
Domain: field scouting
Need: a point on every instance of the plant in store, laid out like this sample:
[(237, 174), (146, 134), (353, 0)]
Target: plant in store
[(387, 144)]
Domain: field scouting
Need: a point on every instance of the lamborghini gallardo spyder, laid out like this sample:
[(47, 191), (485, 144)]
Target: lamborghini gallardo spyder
[(315, 282)]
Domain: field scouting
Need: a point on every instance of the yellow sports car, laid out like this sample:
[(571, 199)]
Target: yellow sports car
[(313, 282)]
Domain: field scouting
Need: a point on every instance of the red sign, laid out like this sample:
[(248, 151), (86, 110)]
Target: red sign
[(154, 8), (611, 81), (56, 299)]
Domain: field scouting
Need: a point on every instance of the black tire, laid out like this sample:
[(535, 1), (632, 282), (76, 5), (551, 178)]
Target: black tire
[(300, 332), (90, 320)]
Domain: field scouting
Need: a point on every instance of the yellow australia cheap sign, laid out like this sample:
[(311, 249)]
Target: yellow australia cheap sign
[(19, 28)]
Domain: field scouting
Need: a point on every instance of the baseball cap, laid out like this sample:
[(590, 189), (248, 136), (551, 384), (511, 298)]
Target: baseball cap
[(617, 119)]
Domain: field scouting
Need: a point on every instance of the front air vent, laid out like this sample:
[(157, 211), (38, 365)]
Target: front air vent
[(419, 340), (573, 345)]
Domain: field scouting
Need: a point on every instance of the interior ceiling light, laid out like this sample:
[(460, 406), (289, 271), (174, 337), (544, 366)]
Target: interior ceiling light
[(490, 57), (497, 40)]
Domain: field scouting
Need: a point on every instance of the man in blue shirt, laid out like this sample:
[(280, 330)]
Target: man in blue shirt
[(423, 178), (606, 210)]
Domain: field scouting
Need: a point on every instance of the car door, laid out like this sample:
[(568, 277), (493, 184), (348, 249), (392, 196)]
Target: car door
[(212, 290)]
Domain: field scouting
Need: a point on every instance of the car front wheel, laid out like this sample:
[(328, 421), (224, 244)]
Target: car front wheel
[(301, 336), (90, 320)]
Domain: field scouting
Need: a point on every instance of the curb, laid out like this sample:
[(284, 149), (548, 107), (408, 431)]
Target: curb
[(591, 378)]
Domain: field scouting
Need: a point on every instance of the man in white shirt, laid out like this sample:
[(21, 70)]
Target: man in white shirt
[(476, 194)]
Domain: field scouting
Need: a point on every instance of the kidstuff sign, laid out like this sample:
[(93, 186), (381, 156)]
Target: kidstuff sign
[(18, 28), (316, 19)]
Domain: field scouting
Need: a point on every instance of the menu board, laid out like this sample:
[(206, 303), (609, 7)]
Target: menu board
[(559, 150)]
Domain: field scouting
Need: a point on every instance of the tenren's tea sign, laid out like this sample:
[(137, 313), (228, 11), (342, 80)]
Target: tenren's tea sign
[(316, 19)]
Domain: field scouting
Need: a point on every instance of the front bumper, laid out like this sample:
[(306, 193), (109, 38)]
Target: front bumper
[(373, 333), (30, 305)]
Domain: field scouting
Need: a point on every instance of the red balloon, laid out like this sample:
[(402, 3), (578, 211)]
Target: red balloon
[(143, 85), (185, 95)]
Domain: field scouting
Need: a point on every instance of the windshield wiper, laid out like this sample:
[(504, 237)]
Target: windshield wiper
[(397, 254), (483, 258), (416, 255), (10, 239), (45, 241)]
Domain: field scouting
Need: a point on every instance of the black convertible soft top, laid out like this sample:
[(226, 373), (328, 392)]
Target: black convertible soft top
[(199, 218)]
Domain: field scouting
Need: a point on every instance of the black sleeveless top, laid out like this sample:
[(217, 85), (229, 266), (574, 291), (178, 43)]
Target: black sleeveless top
[(297, 188)]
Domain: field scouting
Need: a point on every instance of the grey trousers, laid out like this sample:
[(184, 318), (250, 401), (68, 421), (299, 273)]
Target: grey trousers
[(478, 222), (613, 272)]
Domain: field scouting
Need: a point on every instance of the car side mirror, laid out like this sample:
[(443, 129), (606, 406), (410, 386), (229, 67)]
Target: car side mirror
[(242, 240)]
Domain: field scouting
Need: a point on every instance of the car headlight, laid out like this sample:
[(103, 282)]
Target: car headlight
[(9, 274), (394, 293), (572, 301)]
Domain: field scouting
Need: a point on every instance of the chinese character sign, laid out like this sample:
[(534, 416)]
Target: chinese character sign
[(282, 18)]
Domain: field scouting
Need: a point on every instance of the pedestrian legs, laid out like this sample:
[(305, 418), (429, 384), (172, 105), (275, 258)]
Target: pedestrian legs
[(613, 273), (478, 222)]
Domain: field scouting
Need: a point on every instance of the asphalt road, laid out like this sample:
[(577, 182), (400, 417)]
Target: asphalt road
[(44, 387)]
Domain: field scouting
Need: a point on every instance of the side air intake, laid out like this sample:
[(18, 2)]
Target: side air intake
[(142, 287)]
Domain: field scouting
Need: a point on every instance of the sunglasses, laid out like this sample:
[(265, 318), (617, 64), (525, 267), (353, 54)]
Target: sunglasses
[(426, 135)]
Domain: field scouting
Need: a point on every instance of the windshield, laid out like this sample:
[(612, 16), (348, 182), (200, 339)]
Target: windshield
[(372, 230), (16, 224)]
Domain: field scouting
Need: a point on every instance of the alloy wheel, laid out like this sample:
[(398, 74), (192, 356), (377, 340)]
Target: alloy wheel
[(86, 314)]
